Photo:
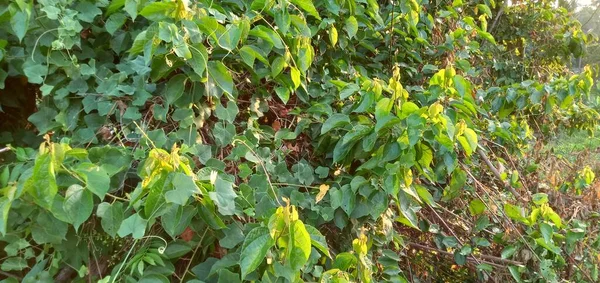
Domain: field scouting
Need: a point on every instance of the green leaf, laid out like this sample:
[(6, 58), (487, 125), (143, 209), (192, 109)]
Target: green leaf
[(19, 23), (78, 205), (184, 189), (226, 276), (468, 141), (539, 198), (283, 93), (462, 86), (48, 229), (486, 35), (174, 88), (476, 207), (134, 225), (223, 134), (299, 250), (345, 261), (96, 178), (306, 55), (87, 11), (14, 263), (268, 35), (351, 26), (227, 114), (508, 251), (335, 121), (349, 90), (111, 215), (425, 196), (224, 196), (115, 22), (5, 204), (277, 66), (157, 11), (356, 133), (181, 48), (514, 212), (219, 73), (254, 250), (233, 236), (318, 240), (230, 38), (307, 6), (199, 59), (42, 184), (114, 6), (131, 7), (177, 219)]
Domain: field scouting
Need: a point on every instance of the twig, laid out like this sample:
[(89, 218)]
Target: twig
[(500, 210), (494, 260), (496, 19), (295, 185), (591, 17), (4, 149), (10, 275), (187, 268), (456, 236), (497, 173), (260, 161)]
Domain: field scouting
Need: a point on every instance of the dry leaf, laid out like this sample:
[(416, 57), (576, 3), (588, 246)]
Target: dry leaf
[(322, 192), (276, 126), (187, 235)]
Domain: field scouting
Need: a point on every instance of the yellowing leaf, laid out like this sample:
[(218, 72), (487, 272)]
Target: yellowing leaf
[(322, 192), (333, 35)]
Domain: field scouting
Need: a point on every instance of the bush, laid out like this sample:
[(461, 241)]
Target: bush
[(282, 141)]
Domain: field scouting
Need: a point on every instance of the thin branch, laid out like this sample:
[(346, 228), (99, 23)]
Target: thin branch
[(10, 275), (187, 268), (497, 173), (593, 15), (494, 260), (496, 19), (4, 149)]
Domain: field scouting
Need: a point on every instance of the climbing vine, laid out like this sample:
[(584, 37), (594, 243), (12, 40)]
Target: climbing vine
[(289, 140)]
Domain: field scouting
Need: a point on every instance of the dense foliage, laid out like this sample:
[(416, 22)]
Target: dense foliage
[(299, 140)]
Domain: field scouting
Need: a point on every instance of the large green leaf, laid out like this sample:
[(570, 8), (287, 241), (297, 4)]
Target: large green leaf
[(255, 248), (96, 178), (300, 245), (134, 225), (199, 59), (184, 188), (318, 240), (224, 196), (111, 215), (227, 114), (48, 229), (335, 121), (19, 22), (351, 26), (174, 88), (78, 205), (157, 11), (219, 73), (42, 184)]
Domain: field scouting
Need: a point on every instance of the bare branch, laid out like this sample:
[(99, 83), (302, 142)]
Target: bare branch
[(497, 173)]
